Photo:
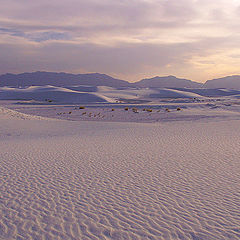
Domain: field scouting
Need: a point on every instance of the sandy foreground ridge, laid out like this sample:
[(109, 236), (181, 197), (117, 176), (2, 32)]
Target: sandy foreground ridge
[(112, 180)]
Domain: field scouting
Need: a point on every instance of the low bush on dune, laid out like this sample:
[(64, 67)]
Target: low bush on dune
[(126, 108), (167, 110), (81, 107), (149, 110), (178, 109), (113, 109), (134, 110), (84, 113)]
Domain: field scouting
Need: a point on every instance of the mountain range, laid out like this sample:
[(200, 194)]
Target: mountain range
[(231, 82), (60, 79), (167, 82), (96, 79)]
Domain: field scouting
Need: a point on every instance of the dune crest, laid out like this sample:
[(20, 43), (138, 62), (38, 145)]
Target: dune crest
[(6, 113)]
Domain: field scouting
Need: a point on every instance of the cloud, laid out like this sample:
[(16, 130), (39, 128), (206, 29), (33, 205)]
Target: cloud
[(35, 36), (45, 36), (123, 38)]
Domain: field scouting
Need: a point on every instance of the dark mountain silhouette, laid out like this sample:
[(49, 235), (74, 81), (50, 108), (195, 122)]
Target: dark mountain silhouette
[(97, 79), (60, 79), (167, 82), (230, 82)]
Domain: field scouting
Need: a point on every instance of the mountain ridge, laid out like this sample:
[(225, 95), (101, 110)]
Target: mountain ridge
[(231, 82), (41, 78), (62, 79), (168, 82)]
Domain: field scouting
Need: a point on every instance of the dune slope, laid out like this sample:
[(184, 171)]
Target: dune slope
[(50, 93)]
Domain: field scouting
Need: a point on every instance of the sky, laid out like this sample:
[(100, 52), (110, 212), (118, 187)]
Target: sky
[(127, 39)]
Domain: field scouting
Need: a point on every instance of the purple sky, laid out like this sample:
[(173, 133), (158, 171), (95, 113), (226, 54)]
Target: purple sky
[(128, 39)]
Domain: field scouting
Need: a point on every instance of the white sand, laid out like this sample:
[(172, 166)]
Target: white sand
[(88, 94), (135, 113), (108, 104), (101, 180)]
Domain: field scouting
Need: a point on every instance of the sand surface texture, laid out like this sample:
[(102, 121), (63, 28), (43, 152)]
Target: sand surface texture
[(99, 180)]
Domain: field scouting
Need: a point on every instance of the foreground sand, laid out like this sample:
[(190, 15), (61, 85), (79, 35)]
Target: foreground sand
[(99, 180)]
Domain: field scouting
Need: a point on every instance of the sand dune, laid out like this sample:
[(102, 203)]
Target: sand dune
[(6, 113), (101, 94), (93, 94), (172, 93), (217, 92), (145, 93), (49, 93), (95, 180)]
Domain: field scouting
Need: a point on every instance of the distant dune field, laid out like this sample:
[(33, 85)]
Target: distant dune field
[(101, 94)]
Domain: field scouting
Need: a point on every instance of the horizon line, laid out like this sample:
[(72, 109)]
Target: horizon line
[(89, 73)]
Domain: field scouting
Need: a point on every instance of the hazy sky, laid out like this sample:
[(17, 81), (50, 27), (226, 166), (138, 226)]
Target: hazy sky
[(128, 39)]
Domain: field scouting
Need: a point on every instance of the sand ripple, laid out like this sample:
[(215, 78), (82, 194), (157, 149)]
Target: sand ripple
[(121, 181)]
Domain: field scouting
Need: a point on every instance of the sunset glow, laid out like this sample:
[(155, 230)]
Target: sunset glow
[(194, 39)]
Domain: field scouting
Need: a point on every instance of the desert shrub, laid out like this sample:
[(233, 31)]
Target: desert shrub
[(126, 108), (134, 110), (113, 109), (167, 110), (70, 113), (149, 110), (84, 113), (81, 107), (144, 109), (49, 100), (178, 109)]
